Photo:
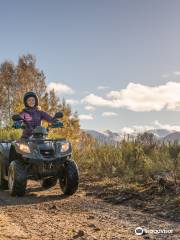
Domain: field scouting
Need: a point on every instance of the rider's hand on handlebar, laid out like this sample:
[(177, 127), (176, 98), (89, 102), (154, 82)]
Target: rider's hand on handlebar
[(17, 125), (57, 124)]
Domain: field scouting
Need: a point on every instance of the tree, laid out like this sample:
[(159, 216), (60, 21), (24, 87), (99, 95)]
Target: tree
[(71, 129), (45, 102), (148, 141), (53, 102), (174, 152), (28, 78), (8, 82)]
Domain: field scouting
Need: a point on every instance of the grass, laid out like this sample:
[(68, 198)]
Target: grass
[(126, 160)]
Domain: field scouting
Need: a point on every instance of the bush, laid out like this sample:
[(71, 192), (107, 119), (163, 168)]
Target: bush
[(128, 160), (9, 134)]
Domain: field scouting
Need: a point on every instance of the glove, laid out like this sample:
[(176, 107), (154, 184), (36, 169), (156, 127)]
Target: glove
[(57, 124), (17, 125)]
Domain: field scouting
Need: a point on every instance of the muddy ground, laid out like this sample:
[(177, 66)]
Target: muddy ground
[(47, 214)]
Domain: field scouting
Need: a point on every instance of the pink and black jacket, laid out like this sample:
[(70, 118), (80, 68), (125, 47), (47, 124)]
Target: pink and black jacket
[(34, 117)]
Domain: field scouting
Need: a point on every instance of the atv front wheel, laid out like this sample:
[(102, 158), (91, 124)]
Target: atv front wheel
[(69, 177), (3, 182), (17, 178), (48, 182)]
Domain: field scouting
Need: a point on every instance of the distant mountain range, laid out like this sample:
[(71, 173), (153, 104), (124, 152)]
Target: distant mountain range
[(175, 136), (105, 137), (113, 137)]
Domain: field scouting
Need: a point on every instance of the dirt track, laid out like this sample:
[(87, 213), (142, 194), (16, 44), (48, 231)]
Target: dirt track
[(49, 215)]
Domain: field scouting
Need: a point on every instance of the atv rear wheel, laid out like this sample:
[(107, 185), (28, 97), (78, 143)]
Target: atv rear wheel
[(17, 178), (69, 178), (3, 182), (48, 182)]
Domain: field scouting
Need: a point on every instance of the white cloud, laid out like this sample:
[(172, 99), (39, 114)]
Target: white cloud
[(96, 101), (86, 117), (72, 101), (177, 73), (60, 88), (165, 75), (109, 114), (167, 126), (137, 129), (155, 125), (127, 130), (140, 98), (102, 87), (90, 108)]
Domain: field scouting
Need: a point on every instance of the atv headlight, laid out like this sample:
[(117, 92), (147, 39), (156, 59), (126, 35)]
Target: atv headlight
[(24, 148), (64, 147)]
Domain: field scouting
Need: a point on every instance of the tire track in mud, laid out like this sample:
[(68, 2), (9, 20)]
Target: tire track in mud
[(49, 215)]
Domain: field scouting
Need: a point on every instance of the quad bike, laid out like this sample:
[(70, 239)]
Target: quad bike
[(37, 158)]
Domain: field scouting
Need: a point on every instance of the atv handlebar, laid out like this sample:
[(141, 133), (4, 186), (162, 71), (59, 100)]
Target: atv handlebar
[(20, 123), (24, 124)]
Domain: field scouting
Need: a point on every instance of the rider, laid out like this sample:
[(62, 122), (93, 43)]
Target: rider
[(32, 114)]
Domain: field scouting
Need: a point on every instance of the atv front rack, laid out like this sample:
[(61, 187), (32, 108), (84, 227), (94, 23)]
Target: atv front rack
[(33, 140), (5, 141), (44, 140)]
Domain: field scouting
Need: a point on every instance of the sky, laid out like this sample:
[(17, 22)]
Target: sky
[(116, 62)]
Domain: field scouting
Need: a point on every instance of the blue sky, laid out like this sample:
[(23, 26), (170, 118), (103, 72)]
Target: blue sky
[(118, 61)]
